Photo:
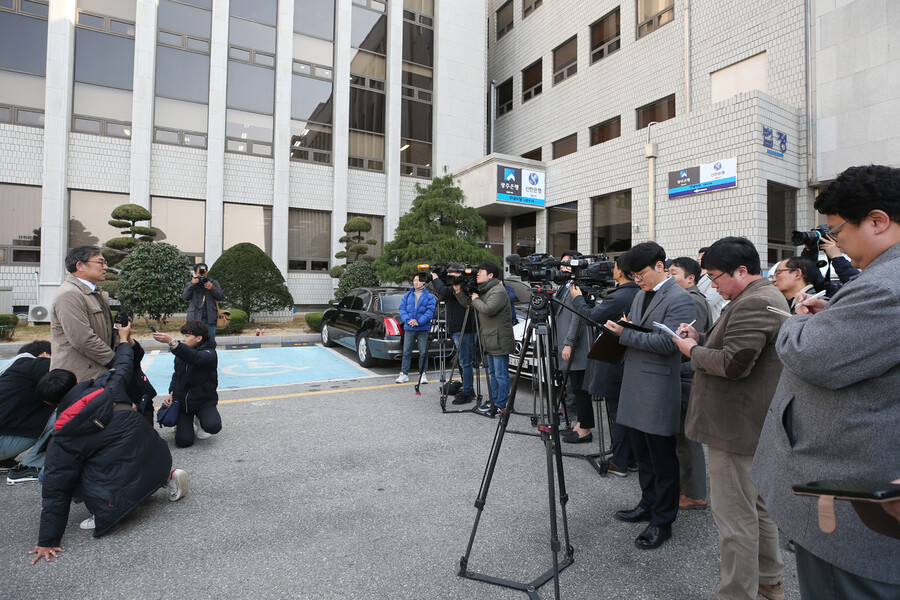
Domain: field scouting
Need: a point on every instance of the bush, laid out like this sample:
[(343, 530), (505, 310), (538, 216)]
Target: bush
[(314, 320), (358, 274), (239, 322), (250, 280), (8, 325), (152, 280)]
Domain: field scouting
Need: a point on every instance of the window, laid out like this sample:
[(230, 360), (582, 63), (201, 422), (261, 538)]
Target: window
[(606, 131), (314, 18), (605, 36), (376, 233), (247, 223), (89, 215), (181, 223), (532, 80), (562, 228), (20, 228), (524, 234), (493, 237), (565, 146), (23, 59), (418, 40), (504, 97), (311, 114), (659, 111), (417, 79), (781, 217), (565, 60), (611, 224), (368, 35), (368, 30), (504, 19), (746, 75), (653, 14), (309, 240), (535, 154), (529, 6)]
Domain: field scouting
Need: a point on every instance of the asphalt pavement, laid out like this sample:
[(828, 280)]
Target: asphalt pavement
[(360, 489)]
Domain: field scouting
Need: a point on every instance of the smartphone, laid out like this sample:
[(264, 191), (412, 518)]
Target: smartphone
[(870, 490), (151, 328)]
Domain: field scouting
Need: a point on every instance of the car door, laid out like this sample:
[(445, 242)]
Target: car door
[(359, 308), (343, 327)]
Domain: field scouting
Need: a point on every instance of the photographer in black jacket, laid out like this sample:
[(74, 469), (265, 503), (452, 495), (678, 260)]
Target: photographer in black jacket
[(464, 341), (203, 293), (24, 419), (842, 267)]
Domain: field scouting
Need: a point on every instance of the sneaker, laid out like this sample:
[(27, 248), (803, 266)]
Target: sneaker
[(774, 591), (198, 429), (487, 409), (6, 465), (178, 485), (21, 474), (685, 503), (88, 523), (633, 467), (614, 469), (463, 398), (423, 379), (402, 378)]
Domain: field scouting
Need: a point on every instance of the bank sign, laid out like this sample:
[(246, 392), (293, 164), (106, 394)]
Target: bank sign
[(715, 176), (522, 186)]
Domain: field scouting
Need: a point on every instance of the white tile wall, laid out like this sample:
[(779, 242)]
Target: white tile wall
[(21, 149)]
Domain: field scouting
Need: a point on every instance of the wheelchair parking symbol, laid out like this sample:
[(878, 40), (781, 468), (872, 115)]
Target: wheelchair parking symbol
[(253, 367)]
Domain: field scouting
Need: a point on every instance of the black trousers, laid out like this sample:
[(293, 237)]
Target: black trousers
[(621, 439), (658, 474), (583, 409), (210, 421)]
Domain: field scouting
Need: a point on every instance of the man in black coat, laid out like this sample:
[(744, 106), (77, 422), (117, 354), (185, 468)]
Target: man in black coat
[(24, 419), (101, 451), (463, 340)]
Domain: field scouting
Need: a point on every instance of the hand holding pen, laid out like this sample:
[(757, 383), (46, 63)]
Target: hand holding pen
[(806, 304)]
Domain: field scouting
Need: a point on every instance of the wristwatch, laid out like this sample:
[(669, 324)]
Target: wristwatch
[(173, 343)]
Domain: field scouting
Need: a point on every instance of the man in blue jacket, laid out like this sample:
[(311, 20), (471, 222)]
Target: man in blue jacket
[(416, 311)]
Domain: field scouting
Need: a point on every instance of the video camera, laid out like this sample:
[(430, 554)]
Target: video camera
[(811, 238), (466, 277), (592, 277), (122, 318)]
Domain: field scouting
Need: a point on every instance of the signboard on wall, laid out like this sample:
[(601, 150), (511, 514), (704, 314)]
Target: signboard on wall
[(523, 186), (715, 176)]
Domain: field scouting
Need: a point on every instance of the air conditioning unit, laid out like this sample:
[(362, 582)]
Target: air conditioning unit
[(38, 314)]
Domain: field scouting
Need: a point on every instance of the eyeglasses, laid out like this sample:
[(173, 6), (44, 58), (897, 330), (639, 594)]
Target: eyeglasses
[(101, 262), (777, 271), (638, 276), (713, 279), (833, 230)]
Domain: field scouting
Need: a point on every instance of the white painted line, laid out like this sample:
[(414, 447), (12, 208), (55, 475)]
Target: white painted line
[(148, 360), (352, 362)]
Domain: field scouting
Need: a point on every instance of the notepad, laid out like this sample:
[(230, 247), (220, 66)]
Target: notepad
[(665, 329)]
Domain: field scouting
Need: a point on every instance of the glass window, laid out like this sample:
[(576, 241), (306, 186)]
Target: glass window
[(104, 59), (40, 9), (416, 120), (418, 44), (308, 49), (311, 142), (311, 99), (366, 110), (504, 97), (415, 158), (529, 6), (309, 240), (606, 131), (565, 60), (562, 228), (422, 7), (20, 228), (89, 215), (565, 146), (315, 18), (376, 233), (368, 65), (605, 36), (504, 19), (524, 234), (532, 80), (247, 223), (183, 116), (19, 89), (23, 43), (260, 11), (493, 237), (182, 74), (368, 30), (251, 35), (366, 151), (121, 9), (659, 111), (248, 126), (611, 223), (781, 217), (101, 102), (181, 223), (175, 16), (653, 14), (251, 88), (536, 154)]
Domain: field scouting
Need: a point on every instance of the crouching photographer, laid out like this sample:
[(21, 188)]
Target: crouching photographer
[(446, 284), (203, 293), (818, 239)]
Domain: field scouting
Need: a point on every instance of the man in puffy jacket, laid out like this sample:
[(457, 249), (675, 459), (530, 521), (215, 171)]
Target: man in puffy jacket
[(101, 451), (25, 421), (416, 311)]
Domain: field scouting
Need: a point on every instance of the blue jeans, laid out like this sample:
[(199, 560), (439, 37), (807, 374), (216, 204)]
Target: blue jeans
[(212, 328), (13, 445), (499, 370), (410, 337), (466, 349)]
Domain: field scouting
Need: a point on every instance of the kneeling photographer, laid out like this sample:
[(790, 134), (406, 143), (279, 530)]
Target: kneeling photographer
[(495, 320), (203, 293), (446, 285)]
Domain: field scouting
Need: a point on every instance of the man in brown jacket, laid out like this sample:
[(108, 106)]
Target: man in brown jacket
[(736, 371), (81, 326)]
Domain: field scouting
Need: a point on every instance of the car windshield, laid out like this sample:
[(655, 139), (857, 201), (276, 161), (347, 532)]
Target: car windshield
[(390, 304)]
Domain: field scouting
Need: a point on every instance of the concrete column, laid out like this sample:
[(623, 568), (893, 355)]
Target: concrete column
[(57, 103), (281, 188), (341, 121), (585, 225), (215, 154), (142, 98), (541, 243), (394, 102)]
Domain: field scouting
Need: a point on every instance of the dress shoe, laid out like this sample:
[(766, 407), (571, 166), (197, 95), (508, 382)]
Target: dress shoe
[(653, 537), (463, 398), (633, 467), (573, 438), (685, 503), (774, 591), (613, 469), (635, 515)]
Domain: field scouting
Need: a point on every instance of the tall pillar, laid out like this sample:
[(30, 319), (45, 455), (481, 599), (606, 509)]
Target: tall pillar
[(393, 102), (341, 127), (282, 181), (215, 152), (142, 98)]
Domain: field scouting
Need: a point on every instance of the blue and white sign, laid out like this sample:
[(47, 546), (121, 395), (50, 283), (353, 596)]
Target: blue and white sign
[(775, 142), (522, 186), (715, 176)]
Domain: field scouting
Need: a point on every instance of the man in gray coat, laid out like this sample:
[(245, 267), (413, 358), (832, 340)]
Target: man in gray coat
[(836, 414), (203, 293), (735, 373), (650, 399), (81, 326)]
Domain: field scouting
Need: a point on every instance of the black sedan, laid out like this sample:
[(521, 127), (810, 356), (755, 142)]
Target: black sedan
[(367, 320)]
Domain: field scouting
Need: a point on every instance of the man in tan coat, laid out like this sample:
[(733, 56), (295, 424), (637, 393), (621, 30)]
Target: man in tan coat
[(81, 326)]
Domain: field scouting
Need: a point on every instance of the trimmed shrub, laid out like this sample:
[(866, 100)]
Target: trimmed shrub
[(239, 322), (8, 325), (314, 320), (358, 274), (250, 280), (152, 280)]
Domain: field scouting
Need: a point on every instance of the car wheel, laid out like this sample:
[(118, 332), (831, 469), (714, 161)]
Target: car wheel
[(326, 337), (364, 353)]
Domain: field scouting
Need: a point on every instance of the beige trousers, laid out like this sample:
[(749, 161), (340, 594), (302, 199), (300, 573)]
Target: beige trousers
[(748, 539)]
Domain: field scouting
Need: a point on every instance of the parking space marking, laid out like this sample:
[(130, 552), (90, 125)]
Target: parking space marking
[(314, 393), (355, 364)]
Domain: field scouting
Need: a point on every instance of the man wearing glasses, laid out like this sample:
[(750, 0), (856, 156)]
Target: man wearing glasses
[(81, 326)]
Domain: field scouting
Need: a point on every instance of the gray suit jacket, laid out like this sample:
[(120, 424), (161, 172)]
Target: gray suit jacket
[(836, 415), (571, 330), (650, 399)]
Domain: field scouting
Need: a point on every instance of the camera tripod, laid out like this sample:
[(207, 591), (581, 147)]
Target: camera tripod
[(477, 358), (538, 332)]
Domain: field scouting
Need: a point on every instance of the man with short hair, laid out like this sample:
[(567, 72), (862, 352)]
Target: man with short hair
[(25, 421), (736, 370), (81, 326), (713, 298), (792, 276), (651, 390), (464, 340), (495, 321), (202, 293), (835, 414)]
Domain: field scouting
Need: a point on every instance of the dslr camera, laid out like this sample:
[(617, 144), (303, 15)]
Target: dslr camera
[(811, 238), (201, 275)]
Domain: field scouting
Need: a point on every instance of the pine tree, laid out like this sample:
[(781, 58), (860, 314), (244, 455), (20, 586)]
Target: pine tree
[(356, 247), (438, 229)]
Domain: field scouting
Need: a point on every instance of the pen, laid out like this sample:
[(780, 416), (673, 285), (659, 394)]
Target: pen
[(815, 296), (691, 324)]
